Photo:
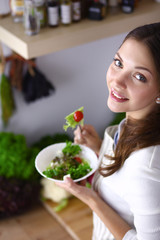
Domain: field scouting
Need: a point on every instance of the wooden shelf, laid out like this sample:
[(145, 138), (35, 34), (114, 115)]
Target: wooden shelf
[(52, 40)]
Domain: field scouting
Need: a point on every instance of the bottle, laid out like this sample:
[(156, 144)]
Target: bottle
[(17, 10), (104, 2), (5, 9), (42, 11), (136, 3), (84, 9), (66, 14), (31, 18), (113, 6), (53, 13), (76, 10), (127, 6), (96, 11)]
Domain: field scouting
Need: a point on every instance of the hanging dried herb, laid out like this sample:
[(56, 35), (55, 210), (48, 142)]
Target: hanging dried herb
[(7, 101), (36, 85)]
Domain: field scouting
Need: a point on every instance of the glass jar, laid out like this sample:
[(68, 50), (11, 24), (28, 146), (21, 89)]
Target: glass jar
[(31, 18), (42, 11), (17, 10)]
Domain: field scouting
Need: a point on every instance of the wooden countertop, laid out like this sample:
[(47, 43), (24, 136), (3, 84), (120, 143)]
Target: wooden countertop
[(74, 222), (35, 224)]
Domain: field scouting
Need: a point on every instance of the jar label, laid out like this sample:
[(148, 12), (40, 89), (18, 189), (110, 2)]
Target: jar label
[(66, 14), (53, 15), (17, 7)]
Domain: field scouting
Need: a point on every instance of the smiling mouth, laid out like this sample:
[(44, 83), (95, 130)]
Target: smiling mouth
[(117, 96)]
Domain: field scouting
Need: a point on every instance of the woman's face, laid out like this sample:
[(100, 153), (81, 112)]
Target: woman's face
[(132, 80)]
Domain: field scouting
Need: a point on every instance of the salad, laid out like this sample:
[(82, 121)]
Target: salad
[(68, 162), (73, 119)]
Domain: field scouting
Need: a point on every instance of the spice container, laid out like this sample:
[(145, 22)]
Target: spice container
[(76, 10), (97, 10), (31, 18), (127, 6), (17, 10)]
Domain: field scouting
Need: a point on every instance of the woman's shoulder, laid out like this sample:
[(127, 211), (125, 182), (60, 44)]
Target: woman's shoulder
[(142, 175), (151, 154), (146, 160)]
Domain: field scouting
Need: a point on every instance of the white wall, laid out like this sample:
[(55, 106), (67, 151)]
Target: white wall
[(78, 75)]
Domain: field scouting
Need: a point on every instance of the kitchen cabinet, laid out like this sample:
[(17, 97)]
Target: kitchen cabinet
[(55, 39)]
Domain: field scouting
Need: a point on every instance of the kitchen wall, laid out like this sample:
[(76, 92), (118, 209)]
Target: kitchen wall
[(78, 75)]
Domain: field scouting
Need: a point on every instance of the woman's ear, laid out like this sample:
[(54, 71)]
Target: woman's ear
[(158, 100)]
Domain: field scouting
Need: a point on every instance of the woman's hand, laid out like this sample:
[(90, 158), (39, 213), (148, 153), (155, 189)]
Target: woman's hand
[(117, 226), (88, 136), (85, 194)]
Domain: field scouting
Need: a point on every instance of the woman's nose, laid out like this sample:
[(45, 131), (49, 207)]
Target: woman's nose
[(121, 79)]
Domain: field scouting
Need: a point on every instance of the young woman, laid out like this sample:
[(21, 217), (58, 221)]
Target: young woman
[(125, 193)]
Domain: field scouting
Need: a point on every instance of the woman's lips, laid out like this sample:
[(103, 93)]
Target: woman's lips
[(118, 97)]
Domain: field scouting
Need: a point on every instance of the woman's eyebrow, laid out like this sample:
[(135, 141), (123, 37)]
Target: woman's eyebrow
[(144, 68), (137, 67), (119, 56)]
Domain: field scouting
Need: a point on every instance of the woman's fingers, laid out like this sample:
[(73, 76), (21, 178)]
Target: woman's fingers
[(78, 137), (70, 186), (88, 137)]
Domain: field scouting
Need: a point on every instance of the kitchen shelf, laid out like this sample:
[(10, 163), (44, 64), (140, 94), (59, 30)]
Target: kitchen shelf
[(55, 39)]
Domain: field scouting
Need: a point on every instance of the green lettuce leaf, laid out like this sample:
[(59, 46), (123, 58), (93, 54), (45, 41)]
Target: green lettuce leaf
[(70, 122), (71, 149)]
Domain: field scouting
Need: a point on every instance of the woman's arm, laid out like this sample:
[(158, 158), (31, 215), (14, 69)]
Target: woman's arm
[(116, 225)]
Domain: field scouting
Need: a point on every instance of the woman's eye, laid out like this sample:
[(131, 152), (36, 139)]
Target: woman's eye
[(140, 77), (117, 63)]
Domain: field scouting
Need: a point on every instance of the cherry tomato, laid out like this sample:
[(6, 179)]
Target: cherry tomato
[(78, 159), (78, 116)]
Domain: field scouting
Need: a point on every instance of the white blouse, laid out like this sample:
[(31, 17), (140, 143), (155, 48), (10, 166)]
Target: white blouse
[(133, 191)]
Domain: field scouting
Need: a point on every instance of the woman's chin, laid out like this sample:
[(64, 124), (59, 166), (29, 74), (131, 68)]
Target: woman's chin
[(112, 106)]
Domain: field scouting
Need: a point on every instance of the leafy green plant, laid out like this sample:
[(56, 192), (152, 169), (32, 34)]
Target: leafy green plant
[(51, 139), (19, 181), (118, 117), (16, 159)]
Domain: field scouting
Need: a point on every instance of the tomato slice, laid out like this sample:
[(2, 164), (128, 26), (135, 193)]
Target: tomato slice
[(78, 116), (78, 159)]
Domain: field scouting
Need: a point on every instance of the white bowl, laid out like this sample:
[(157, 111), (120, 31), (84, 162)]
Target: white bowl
[(46, 155)]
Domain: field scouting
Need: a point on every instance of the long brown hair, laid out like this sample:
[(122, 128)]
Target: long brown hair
[(138, 134)]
